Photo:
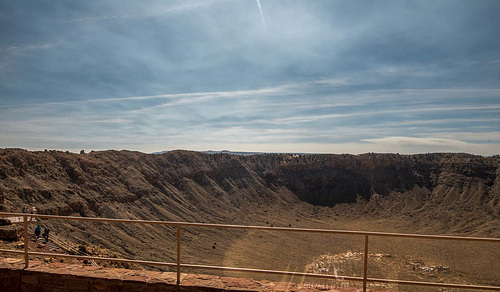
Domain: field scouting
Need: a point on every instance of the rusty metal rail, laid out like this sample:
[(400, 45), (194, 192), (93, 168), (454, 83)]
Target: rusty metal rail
[(178, 265)]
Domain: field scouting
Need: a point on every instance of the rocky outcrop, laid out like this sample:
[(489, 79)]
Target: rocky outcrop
[(11, 232), (327, 180)]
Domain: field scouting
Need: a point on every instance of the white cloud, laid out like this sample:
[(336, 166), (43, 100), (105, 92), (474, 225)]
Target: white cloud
[(437, 121), (309, 118), (470, 136), (189, 98), (273, 119), (29, 48), (336, 81), (411, 145), (415, 141), (111, 121)]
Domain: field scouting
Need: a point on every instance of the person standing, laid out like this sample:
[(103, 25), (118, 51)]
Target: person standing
[(46, 231), (38, 229), (33, 211)]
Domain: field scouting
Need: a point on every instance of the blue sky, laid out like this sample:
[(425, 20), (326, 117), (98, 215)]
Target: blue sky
[(294, 76)]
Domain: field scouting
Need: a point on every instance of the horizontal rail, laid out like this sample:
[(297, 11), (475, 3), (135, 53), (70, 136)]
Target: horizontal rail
[(46, 254), (11, 251), (235, 269), (249, 227), (272, 272), (102, 259), (348, 278), (429, 284)]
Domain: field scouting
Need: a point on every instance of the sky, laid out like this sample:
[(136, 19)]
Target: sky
[(332, 76)]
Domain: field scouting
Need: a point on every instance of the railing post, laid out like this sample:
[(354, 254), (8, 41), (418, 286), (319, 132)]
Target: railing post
[(178, 254), (365, 263), (26, 241)]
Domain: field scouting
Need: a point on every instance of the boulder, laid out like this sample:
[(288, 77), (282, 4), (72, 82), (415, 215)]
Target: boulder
[(11, 232), (5, 221)]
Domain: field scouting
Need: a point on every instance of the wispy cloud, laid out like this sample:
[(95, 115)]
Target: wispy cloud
[(208, 96), (95, 18), (427, 144), (17, 50), (310, 118), (11, 54), (146, 12), (112, 121), (415, 141), (268, 115), (183, 97), (261, 14), (468, 136), (439, 121)]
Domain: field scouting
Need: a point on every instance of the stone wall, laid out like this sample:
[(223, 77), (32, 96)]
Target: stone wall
[(67, 277)]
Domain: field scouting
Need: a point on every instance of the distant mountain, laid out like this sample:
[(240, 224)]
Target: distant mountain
[(242, 153), (231, 152), (218, 152)]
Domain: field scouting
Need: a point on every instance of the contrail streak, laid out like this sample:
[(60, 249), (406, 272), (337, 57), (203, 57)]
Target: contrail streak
[(261, 14)]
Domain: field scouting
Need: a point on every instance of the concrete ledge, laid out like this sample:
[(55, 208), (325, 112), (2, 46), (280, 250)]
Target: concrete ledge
[(57, 277)]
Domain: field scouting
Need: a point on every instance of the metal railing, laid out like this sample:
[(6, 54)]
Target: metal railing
[(70, 248), (178, 265)]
